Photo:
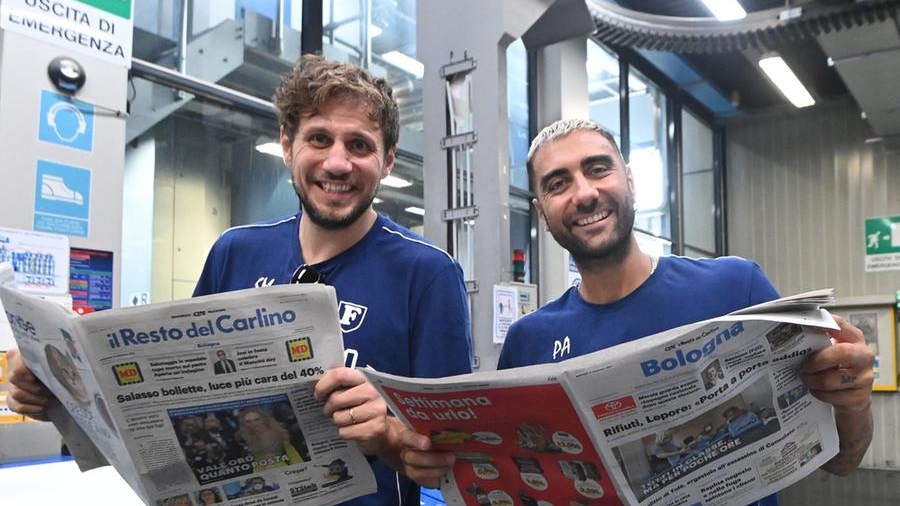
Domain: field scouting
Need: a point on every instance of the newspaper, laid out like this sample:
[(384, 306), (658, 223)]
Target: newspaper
[(208, 396), (710, 413)]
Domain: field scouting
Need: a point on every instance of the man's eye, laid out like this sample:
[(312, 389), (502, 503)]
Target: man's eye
[(598, 170), (360, 146), (555, 185), (319, 139)]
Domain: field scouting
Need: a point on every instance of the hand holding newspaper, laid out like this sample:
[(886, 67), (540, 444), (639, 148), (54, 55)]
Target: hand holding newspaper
[(211, 393), (713, 412)]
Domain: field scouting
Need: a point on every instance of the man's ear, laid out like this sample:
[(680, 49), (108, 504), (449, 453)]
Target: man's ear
[(285, 146), (540, 211), (629, 178), (389, 158)]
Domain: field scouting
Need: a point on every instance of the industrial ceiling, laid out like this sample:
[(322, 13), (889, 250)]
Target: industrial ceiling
[(835, 47)]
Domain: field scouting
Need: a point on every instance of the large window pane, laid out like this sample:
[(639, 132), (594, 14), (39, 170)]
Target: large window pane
[(698, 181), (521, 232), (201, 167), (517, 112), (647, 158), (247, 45), (242, 44), (603, 88)]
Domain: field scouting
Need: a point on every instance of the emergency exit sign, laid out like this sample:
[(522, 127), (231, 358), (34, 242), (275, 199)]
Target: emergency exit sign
[(121, 8), (883, 243), (99, 28)]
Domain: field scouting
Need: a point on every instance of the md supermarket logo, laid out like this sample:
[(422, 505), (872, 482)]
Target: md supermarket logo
[(614, 407), (128, 373), (299, 349)]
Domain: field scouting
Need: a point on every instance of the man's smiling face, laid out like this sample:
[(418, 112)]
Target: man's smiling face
[(585, 195)]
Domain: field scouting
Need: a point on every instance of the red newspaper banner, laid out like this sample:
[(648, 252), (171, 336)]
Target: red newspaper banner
[(514, 445)]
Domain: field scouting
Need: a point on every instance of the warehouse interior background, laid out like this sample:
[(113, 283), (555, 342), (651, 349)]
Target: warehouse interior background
[(725, 163)]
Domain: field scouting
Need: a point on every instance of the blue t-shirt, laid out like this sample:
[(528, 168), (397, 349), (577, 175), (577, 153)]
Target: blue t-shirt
[(680, 291), (402, 304)]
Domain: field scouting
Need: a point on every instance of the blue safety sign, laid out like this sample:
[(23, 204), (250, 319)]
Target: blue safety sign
[(62, 198), (66, 121)]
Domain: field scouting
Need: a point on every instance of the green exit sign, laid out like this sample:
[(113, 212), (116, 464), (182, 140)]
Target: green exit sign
[(883, 244), (121, 8), (883, 235)]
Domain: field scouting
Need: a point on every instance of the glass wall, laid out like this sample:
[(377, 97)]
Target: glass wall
[(517, 112), (213, 167), (648, 154), (200, 165), (604, 101), (522, 232), (698, 186)]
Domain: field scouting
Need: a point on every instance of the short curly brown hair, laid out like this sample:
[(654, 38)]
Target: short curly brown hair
[(314, 81)]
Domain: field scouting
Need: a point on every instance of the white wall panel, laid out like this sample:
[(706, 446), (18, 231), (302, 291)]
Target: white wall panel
[(799, 188)]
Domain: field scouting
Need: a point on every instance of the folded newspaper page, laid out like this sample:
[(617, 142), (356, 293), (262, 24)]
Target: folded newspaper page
[(710, 413), (209, 398)]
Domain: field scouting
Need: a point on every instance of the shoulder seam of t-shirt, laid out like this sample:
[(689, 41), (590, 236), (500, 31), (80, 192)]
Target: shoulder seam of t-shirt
[(412, 239), (260, 225)]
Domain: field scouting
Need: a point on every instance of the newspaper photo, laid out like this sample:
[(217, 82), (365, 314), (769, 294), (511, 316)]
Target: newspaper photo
[(208, 399), (710, 413)]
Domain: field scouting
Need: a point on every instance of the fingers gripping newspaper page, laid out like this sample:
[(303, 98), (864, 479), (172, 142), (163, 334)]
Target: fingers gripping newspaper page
[(711, 413), (208, 396)]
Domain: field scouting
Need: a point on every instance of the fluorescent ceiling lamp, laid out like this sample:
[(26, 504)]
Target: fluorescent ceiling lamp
[(783, 78), (270, 148), (377, 200), (374, 31), (403, 62), (415, 210), (725, 10), (395, 182)]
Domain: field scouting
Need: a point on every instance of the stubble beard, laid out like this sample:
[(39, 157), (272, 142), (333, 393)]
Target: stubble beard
[(328, 221), (615, 248)]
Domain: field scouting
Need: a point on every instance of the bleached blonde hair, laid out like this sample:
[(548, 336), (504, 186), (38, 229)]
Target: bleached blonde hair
[(562, 128)]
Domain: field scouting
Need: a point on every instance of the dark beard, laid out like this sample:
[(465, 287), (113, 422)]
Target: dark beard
[(613, 251), (322, 220)]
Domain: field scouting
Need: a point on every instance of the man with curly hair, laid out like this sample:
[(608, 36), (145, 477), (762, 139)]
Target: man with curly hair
[(403, 303)]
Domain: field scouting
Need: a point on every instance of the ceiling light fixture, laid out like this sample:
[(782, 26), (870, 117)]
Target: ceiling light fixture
[(395, 182), (270, 148), (374, 31), (785, 80), (415, 210), (725, 10), (405, 63)]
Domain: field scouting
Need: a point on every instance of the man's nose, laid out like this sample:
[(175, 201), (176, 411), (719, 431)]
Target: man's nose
[(584, 194), (338, 160)]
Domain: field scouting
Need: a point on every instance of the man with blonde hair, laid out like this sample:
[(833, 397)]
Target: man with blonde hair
[(585, 197)]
